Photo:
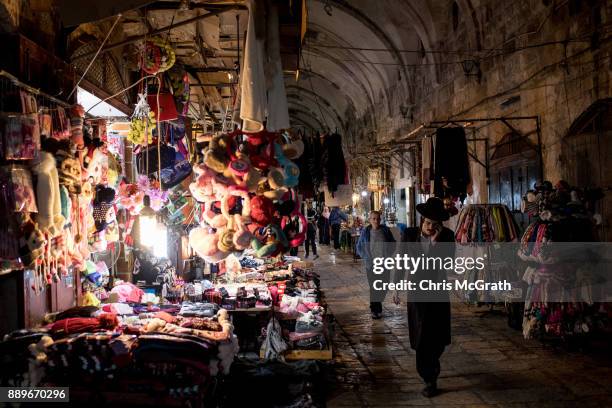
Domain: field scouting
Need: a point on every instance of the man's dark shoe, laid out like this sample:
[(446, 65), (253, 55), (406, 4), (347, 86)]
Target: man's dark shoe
[(430, 390)]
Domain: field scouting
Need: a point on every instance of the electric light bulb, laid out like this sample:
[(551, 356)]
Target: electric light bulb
[(364, 193), (386, 201)]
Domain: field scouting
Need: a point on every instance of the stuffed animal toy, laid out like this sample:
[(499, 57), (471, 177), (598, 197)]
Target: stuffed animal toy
[(32, 245), (275, 242), (243, 173), (49, 205), (213, 219), (291, 171), (242, 236), (205, 187), (69, 174), (293, 149), (246, 203), (262, 210), (205, 244), (217, 155), (300, 235), (96, 164)]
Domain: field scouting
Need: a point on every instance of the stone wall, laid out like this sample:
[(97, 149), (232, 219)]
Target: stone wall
[(556, 82)]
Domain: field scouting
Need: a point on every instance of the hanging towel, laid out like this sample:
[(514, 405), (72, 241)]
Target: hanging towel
[(277, 108), (263, 89), (253, 86)]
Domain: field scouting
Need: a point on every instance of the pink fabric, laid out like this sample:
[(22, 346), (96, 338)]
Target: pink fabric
[(128, 292)]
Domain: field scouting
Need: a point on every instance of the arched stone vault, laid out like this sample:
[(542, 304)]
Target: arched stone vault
[(358, 57)]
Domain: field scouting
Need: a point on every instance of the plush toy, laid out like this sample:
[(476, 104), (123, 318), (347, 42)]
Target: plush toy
[(205, 244), (99, 243), (32, 244), (217, 155), (300, 235), (213, 219), (275, 242), (246, 203), (48, 194), (294, 149), (69, 174), (262, 210), (209, 186), (291, 171), (242, 236), (243, 173)]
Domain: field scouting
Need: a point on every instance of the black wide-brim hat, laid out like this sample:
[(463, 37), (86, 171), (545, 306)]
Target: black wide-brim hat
[(433, 209)]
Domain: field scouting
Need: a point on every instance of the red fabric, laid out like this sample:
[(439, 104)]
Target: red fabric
[(262, 209), (85, 324)]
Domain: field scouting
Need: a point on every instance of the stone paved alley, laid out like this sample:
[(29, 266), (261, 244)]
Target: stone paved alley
[(487, 365)]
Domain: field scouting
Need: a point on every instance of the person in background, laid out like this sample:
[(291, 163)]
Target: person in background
[(290, 231), (323, 226), (310, 241), (375, 241), (429, 311), (336, 217)]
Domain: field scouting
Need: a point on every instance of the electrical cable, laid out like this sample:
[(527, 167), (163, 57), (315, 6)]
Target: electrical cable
[(121, 91), (458, 62), (95, 56)]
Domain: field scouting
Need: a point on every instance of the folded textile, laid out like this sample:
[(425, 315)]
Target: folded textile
[(200, 323), (128, 292), (77, 311), (118, 308), (198, 309), (161, 326), (84, 324)]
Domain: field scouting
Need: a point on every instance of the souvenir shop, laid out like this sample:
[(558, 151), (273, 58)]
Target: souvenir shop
[(140, 254)]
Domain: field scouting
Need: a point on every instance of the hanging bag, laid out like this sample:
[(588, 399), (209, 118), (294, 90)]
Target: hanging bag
[(149, 154)]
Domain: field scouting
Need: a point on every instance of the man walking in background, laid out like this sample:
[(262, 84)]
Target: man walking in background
[(336, 217), (375, 241)]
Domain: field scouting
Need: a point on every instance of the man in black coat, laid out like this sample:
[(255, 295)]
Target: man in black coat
[(429, 311)]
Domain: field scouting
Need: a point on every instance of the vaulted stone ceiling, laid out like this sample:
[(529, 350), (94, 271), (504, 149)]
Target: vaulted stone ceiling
[(354, 58)]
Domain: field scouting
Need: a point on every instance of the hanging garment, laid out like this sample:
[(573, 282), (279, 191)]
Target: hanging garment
[(48, 194), (314, 164), (262, 88), (306, 183), (334, 166), (426, 173), (451, 163)]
